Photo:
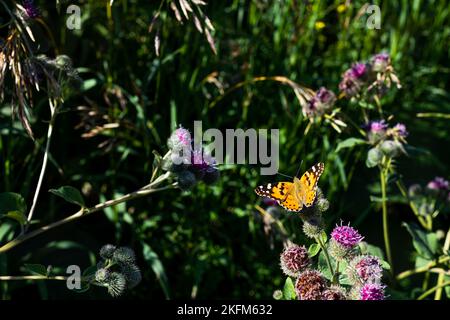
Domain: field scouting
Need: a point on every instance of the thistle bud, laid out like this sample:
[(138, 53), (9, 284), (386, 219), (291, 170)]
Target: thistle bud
[(294, 259), (107, 251), (124, 255)]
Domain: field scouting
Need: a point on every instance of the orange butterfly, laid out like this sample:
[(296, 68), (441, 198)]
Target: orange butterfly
[(293, 195)]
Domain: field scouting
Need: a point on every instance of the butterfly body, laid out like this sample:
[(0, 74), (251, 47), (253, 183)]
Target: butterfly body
[(292, 196)]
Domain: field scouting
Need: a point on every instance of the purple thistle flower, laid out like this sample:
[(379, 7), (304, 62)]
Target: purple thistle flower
[(368, 268), (372, 291), (349, 86), (358, 70), (351, 82), (376, 127), (30, 8), (322, 101), (180, 139), (438, 183), (294, 259), (202, 160), (380, 62), (346, 236), (400, 129), (325, 96), (183, 136)]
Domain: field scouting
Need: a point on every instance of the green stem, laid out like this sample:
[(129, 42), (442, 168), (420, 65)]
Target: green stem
[(428, 292), (15, 278), (145, 191), (387, 244), (441, 277), (327, 258), (428, 267)]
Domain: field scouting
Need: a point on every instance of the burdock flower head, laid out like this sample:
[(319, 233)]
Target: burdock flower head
[(346, 236), (353, 79), (438, 184), (372, 291), (187, 164), (380, 62), (350, 85), (358, 70), (377, 127), (118, 270), (377, 130), (364, 268), (400, 130), (320, 103), (180, 144), (179, 139), (294, 259), (204, 165), (312, 216), (334, 293), (343, 240), (310, 285)]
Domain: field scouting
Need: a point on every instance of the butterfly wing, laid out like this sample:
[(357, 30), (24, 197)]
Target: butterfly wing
[(291, 203), (276, 191), (308, 183), (282, 192)]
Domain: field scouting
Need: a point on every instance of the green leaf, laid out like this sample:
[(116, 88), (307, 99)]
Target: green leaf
[(10, 202), (349, 143), (323, 236), (374, 157), (372, 250), (289, 290), (447, 288), (16, 215), (313, 250), (323, 266), (155, 263), (6, 231), (38, 269), (422, 242), (70, 194), (88, 84)]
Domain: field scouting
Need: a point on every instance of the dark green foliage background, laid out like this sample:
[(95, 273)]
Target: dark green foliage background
[(210, 241)]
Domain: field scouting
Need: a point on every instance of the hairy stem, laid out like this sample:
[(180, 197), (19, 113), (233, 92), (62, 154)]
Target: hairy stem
[(441, 277), (426, 268), (387, 243), (145, 191), (430, 291), (15, 278), (327, 258)]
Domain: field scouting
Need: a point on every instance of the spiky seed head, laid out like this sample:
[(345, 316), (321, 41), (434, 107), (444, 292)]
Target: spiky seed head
[(124, 255), (310, 285), (101, 275), (107, 251), (132, 274), (116, 284)]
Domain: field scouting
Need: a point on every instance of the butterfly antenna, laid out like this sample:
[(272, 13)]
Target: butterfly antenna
[(285, 175), (299, 167)]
